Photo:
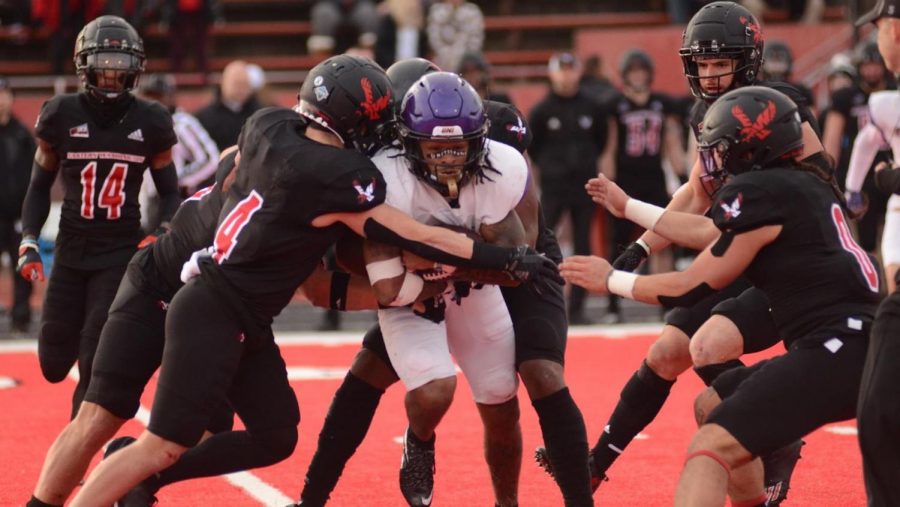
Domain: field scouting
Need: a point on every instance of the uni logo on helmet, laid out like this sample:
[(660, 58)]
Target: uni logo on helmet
[(370, 107), (447, 131), (755, 128)]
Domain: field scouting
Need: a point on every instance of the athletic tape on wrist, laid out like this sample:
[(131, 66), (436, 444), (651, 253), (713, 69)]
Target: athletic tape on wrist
[(643, 213), (621, 283), (410, 290), (643, 244), (383, 270)]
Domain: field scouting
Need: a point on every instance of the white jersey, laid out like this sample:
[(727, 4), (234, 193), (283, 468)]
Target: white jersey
[(880, 133), (477, 331), (486, 202)]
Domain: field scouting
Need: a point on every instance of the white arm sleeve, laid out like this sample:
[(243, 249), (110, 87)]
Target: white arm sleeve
[(867, 144)]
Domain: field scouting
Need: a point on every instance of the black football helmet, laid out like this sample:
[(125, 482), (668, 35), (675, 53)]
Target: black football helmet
[(351, 97), (722, 30), (747, 129), (109, 58), (778, 61), (635, 58), (405, 72)]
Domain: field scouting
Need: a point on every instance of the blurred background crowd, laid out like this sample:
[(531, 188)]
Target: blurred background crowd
[(599, 81)]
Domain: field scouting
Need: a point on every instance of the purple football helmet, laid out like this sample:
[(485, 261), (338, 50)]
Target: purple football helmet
[(441, 106)]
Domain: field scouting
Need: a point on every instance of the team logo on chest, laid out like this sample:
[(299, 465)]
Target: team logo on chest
[(80, 131), (734, 210), (366, 194)]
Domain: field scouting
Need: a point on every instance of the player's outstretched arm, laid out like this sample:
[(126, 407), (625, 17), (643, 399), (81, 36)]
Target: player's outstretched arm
[(165, 178), (685, 229), (717, 266), (391, 282), (338, 290), (388, 225)]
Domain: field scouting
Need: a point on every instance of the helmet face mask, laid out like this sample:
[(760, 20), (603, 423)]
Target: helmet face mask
[(443, 128), (109, 58)]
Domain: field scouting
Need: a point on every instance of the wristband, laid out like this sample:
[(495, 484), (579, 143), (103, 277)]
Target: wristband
[(643, 244), (383, 270), (410, 290), (621, 283), (642, 213)]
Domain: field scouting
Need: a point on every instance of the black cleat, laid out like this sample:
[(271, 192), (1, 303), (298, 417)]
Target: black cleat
[(778, 466), (417, 470), (141, 495), (543, 461)]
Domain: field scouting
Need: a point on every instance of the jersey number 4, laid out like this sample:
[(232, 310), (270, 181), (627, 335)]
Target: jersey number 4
[(865, 264), (227, 234), (112, 193)]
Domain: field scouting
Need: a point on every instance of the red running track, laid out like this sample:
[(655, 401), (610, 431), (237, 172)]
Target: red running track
[(829, 474)]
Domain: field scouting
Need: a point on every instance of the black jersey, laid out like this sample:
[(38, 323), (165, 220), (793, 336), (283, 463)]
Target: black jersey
[(265, 245), (641, 130), (814, 273), (803, 107), (102, 166)]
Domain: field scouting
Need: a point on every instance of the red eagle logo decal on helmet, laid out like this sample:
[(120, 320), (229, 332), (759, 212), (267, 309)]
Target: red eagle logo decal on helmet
[(372, 108), (754, 28), (758, 128)]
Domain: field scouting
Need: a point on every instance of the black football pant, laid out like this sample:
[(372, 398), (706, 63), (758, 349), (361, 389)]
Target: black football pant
[(878, 411), (574, 200), (75, 309), (9, 243)]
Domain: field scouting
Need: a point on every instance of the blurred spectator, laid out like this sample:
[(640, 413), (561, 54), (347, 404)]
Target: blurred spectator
[(233, 104), (594, 82), (570, 134), (333, 22), (477, 71), (778, 65), (195, 156), (63, 19), (805, 11), (401, 32), (848, 114), (259, 86), (17, 149), (644, 128), (454, 27), (187, 24)]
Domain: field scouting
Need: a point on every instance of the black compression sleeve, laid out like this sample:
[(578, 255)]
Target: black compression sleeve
[(37, 200), (888, 180), (484, 256), (166, 181)]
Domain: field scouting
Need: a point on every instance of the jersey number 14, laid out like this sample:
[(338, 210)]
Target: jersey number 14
[(112, 193)]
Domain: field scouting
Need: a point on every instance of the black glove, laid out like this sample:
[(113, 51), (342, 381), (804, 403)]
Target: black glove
[(528, 266), (631, 258), (434, 309), (460, 290)]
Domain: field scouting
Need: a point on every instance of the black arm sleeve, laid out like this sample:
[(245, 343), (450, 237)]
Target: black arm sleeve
[(166, 181), (888, 180), (37, 200), (484, 256)]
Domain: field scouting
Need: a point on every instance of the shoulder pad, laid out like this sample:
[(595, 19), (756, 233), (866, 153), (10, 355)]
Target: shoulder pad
[(745, 204)]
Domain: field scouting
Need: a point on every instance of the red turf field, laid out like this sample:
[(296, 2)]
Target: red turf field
[(828, 475)]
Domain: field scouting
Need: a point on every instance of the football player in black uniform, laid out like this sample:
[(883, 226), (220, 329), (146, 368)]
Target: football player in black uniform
[(721, 50), (101, 140), (540, 328), (131, 344), (781, 222), (646, 130), (304, 192)]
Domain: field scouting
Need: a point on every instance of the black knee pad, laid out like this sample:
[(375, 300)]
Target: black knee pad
[(711, 372), (750, 313), (685, 320), (58, 347), (280, 442)]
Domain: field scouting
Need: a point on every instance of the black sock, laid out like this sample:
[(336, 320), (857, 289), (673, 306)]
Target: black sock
[(228, 452), (641, 399), (34, 502), (709, 372), (565, 438), (346, 424)]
